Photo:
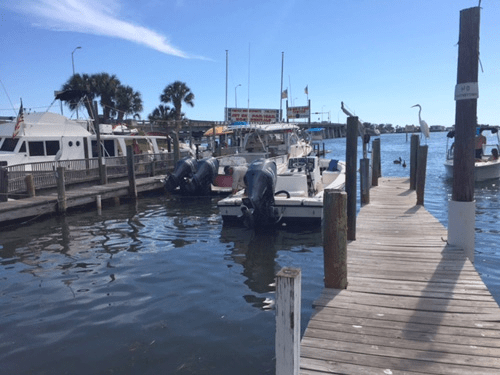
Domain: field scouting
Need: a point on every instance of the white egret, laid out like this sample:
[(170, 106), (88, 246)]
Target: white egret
[(424, 128)]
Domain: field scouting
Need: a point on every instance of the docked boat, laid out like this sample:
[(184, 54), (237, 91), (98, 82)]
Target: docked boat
[(295, 195), (488, 166), (277, 142), (50, 137)]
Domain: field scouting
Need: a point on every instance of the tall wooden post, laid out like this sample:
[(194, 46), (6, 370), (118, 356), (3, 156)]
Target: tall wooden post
[(288, 296), (4, 182), (102, 168), (461, 213), (364, 177), (132, 187), (335, 238), (351, 168), (415, 143), (30, 185), (376, 169), (421, 172), (175, 136), (61, 190)]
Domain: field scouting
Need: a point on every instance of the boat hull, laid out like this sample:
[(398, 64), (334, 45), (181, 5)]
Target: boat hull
[(305, 210), (483, 171)]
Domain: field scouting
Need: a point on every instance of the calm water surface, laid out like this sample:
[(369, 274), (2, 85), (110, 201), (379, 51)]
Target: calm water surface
[(164, 288)]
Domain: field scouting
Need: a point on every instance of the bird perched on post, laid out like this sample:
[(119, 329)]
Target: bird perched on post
[(424, 128)]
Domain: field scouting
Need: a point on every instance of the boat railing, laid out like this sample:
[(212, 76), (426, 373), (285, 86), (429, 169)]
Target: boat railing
[(85, 171)]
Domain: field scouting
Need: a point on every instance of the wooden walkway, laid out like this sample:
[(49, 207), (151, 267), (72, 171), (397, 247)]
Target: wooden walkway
[(47, 204), (414, 305)]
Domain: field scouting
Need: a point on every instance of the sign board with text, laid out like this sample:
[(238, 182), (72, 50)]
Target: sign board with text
[(298, 112), (253, 115)]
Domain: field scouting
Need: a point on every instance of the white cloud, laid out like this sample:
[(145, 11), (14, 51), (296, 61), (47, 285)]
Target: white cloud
[(99, 17)]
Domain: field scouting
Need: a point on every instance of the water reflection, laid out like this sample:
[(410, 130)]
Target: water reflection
[(256, 252)]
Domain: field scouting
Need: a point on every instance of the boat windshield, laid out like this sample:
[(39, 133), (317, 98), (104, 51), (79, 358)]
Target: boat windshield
[(301, 163)]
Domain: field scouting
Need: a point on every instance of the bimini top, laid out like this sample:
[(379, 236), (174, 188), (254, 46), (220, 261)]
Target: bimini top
[(46, 124), (267, 128)]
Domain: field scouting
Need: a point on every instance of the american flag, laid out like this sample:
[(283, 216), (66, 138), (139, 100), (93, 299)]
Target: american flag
[(19, 122)]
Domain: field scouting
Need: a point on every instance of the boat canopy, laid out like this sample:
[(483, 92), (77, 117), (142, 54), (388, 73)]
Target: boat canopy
[(219, 130), (492, 129), (267, 128)]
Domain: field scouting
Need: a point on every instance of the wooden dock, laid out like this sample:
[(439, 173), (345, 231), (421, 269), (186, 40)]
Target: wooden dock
[(47, 204), (413, 305)]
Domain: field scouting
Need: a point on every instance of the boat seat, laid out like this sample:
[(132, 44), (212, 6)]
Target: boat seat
[(329, 177), (296, 183)]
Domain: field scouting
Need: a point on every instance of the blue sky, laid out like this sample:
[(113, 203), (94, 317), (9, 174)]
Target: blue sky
[(379, 57)]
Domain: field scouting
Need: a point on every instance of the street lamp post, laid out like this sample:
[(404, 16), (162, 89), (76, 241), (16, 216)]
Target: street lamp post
[(73, 65), (73, 60), (235, 97)]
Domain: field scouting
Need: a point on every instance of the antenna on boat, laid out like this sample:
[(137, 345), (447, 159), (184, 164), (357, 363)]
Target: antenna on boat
[(248, 107), (8, 97)]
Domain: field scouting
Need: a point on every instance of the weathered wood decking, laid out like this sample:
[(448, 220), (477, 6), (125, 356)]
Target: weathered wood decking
[(47, 204), (414, 305)]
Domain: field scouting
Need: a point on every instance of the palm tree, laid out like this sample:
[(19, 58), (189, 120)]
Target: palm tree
[(177, 93), (105, 86), (127, 102), (162, 115), (84, 83)]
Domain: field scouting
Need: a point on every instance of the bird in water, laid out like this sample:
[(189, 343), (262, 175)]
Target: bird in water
[(424, 128), (397, 161), (404, 164)]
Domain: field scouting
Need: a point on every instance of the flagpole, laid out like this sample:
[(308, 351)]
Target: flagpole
[(225, 109), (281, 91)]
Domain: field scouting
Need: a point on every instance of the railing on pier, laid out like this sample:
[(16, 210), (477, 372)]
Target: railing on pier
[(79, 171)]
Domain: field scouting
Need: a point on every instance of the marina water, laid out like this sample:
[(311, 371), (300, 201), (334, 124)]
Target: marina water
[(162, 287)]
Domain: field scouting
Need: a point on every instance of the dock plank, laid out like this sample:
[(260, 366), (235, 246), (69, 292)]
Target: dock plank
[(413, 305)]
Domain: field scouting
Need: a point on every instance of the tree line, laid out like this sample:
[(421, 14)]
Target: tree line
[(118, 100)]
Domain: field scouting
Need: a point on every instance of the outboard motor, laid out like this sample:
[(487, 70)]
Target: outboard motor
[(205, 174), (184, 169), (258, 207)]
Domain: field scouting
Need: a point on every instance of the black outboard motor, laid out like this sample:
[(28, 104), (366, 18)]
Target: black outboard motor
[(205, 174), (258, 207), (184, 169)]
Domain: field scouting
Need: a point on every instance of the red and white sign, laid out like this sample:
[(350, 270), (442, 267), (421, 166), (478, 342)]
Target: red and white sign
[(253, 115), (298, 112)]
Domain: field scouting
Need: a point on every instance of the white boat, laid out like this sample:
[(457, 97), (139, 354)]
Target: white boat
[(487, 167), (277, 142), (295, 195), (49, 137)]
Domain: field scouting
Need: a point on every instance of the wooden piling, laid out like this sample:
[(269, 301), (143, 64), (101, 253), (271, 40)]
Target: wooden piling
[(376, 169), (415, 143), (335, 238), (351, 170), (102, 168), (364, 176), (98, 202), (288, 296), (176, 147), (421, 172), (30, 185), (132, 187), (461, 215), (466, 106), (4, 182), (61, 190)]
